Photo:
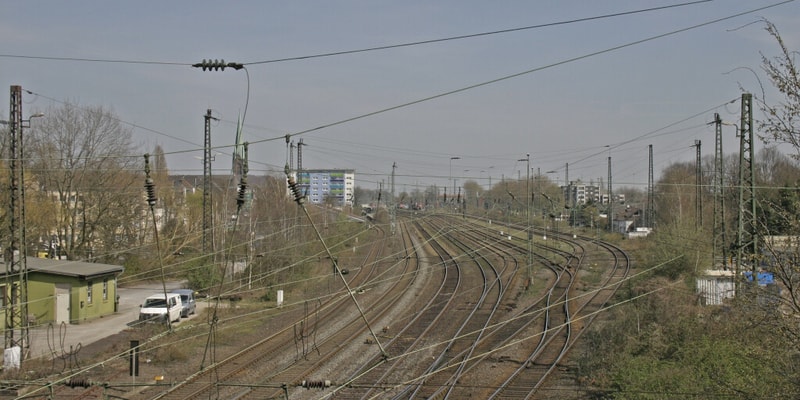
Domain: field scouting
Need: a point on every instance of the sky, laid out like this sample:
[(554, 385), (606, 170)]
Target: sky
[(445, 90)]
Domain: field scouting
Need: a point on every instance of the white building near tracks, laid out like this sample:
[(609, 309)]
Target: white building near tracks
[(321, 186)]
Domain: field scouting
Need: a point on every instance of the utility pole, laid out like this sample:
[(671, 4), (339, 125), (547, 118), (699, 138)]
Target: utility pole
[(461, 202), (529, 229), (568, 187), (208, 218), (451, 177), (291, 155), (610, 199), (378, 202), (747, 240), (698, 180)]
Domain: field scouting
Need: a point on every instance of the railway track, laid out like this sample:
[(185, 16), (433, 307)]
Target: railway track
[(416, 334), (451, 317), (566, 317), (542, 332), (480, 302), (264, 359)]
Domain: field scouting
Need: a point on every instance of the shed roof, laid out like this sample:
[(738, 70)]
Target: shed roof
[(78, 269)]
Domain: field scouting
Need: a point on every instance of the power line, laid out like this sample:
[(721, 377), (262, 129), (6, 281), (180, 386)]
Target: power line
[(474, 35), (493, 81), (529, 71), (363, 50), (98, 60)]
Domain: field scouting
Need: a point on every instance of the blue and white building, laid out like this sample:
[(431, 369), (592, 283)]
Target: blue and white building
[(328, 185)]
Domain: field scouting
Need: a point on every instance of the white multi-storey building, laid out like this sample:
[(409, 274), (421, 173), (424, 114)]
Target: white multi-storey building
[(579, 193), (328, 185)]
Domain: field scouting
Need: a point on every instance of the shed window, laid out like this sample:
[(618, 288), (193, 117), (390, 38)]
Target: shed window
[(89, 292), (105, 289)]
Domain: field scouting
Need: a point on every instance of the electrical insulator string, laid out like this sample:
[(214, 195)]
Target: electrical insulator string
[(151, 201)]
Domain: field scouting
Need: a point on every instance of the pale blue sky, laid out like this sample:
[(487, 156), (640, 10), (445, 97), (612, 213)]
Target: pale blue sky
[(562, 112)]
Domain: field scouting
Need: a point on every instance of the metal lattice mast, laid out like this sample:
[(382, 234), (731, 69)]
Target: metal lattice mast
[(649, 212), (720, 240), (392, 206), (300, 145), (746, 241), (16, 295), (208, 219)]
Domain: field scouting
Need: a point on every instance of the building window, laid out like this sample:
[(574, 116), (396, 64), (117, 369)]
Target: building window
[(105, 289), (89, 292), (3, 295)]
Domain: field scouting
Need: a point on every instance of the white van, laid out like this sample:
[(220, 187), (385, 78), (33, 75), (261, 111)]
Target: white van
[(154, 308)]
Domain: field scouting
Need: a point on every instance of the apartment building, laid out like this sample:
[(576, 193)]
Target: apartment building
[(332, 186), (578, 193)]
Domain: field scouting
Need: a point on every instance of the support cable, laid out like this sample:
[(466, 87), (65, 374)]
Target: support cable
[(300, 200), (151, 201)]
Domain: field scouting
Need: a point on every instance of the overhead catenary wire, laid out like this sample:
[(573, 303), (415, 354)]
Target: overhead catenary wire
[(504, 78), (532, 70), (355, 51), (475, 35), (496, 80)]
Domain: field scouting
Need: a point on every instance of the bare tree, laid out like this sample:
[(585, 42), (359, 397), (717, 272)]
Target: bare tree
[(780, 244), (83, 159), (472, 193), (676, 194), (781, 123)]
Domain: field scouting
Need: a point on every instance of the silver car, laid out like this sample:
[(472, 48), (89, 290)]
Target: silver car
[(187, 298)]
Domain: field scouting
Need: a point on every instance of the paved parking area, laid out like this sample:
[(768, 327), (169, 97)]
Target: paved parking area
[(60, 338)]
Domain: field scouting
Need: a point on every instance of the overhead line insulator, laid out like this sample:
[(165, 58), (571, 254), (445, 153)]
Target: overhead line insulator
[(217, 65), (298, 196), (149, 185)]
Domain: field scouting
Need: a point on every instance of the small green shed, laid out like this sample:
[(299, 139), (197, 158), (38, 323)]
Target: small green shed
[(70, 291)]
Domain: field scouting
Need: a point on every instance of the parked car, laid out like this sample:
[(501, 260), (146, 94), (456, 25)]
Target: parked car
[(155, 308), (187, 299)]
